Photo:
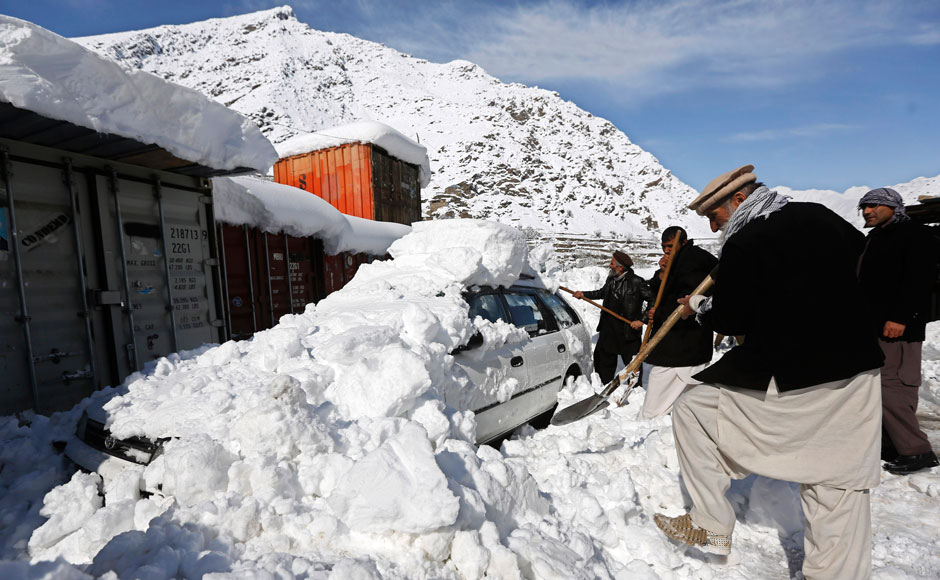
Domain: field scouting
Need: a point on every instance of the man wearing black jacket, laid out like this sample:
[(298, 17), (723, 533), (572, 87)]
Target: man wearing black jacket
[(800, 399), (624, 293), (897, 271), (687, 348)]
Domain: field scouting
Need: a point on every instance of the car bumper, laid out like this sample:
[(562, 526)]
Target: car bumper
[(93, 460)]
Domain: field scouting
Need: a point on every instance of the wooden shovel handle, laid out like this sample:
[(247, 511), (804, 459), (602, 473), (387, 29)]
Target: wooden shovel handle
[(588, 300), (660, 334), (662, 284)]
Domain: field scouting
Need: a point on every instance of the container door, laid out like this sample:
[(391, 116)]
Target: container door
[(350, 266), (278, 287), (302, 281), (158, 259), (53, 369), (333, 272), (241, 284)]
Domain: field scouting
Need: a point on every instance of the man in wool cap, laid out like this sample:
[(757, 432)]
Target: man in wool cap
[(897, 272), (624, 293), (787, 404)]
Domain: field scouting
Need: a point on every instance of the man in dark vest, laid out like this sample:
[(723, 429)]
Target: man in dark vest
[(897, 272), (624, 293), (687, 348), (800, 399)]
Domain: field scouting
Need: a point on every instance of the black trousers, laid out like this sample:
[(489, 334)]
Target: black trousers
[(900, 379), (606, 353)]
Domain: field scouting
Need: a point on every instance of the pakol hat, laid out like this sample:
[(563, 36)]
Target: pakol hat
[(623, 259), (722, 187)]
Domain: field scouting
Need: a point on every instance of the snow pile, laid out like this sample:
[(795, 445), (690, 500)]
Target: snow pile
[(277, 208), (322, 448), (42, 72), (323, 442), (396, 144)]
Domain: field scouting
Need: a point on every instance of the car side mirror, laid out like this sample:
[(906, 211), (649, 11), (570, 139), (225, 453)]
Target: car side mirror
[(475, 341)]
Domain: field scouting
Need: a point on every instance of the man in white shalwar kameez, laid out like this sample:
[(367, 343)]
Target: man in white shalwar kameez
[(799, 400)]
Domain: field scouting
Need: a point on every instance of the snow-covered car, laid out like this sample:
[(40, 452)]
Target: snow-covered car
[(512, 379), (533, 370)]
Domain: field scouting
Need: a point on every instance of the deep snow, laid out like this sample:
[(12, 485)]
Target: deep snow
[(43, 72), (321, 448)]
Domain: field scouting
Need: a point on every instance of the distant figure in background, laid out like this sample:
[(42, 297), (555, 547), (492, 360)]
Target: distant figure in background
[(897, 271), (687, 348), (787, 404), (624, 293)]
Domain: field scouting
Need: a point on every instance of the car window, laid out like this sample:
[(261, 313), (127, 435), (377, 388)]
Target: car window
[(486, 306), (563, 313), (524, 312)]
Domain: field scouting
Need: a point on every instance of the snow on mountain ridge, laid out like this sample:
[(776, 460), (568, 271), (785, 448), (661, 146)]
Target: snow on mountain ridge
[(517, 154)]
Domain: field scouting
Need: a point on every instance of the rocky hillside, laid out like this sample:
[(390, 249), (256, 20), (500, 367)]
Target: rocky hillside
[(517, 154)]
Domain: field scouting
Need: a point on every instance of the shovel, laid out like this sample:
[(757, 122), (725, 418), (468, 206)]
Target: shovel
[(599, 401), (589, 301), (662, 285)]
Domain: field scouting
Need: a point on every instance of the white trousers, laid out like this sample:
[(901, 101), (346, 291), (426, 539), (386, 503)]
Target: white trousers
[(664, 385), (826, 437)]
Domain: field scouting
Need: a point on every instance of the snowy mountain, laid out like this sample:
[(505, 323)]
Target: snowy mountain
[(517, 154)]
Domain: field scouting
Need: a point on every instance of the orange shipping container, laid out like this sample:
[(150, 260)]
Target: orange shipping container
[(358, 179)]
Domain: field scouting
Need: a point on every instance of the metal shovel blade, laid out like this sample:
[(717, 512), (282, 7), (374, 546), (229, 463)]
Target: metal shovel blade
[(579, 410)]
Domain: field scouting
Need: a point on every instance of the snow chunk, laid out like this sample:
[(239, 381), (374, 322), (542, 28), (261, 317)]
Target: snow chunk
[(277, 208), (45, 73), (396, 144), (473, 251), (397, 487)]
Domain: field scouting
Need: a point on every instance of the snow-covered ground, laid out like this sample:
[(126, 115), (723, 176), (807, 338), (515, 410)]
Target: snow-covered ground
[(321, 448)]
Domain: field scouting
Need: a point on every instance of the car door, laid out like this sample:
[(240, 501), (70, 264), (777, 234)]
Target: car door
[(566, 319), (541, 356), (494, 373), (546, 352)]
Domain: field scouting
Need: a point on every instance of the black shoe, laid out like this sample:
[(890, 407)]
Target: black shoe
[(905, 464)]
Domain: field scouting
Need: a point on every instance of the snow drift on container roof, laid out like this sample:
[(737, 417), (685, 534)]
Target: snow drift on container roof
[(276, 209), (43, 72), (396, 144)]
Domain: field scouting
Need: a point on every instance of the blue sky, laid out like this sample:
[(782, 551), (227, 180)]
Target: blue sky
[(815, 93)]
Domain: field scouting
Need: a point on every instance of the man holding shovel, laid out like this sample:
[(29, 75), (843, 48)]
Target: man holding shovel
[(619, 330), (688, 346), (788, 404)]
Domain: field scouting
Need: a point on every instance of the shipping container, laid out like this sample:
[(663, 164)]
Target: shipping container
[(107, 259), (358, 179), (267, 276)]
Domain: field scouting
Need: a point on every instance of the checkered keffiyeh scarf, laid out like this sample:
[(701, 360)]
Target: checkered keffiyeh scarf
[(887, 197), (759, 204)]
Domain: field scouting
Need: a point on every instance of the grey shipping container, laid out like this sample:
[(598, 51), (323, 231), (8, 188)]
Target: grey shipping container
[(104, 264)]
